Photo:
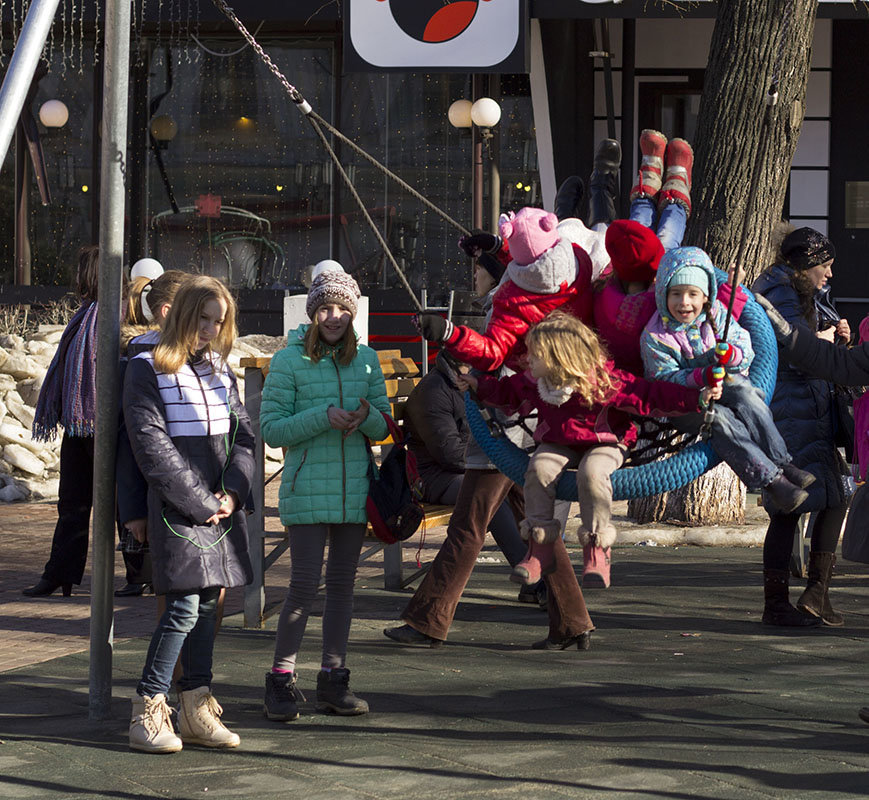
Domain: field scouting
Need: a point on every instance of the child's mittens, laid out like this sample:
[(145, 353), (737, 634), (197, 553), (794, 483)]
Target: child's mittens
[(727, 354), (480, 242), (712, 376), (433, 327)]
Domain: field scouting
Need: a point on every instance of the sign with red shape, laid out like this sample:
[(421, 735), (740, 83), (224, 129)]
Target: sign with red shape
[(208, 205)]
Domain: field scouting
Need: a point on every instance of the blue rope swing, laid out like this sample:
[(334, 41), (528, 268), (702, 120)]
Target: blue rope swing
[(658, 476)]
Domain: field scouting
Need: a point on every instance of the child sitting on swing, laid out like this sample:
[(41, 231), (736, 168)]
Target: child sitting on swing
[(679, 345), (584, 406)]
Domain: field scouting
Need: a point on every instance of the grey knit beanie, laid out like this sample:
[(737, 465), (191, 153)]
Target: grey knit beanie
[(331, 284)]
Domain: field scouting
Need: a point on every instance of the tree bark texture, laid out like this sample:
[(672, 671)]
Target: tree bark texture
[(715, 498), (751, 43)]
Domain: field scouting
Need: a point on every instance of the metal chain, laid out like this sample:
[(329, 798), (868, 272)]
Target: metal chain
[(306, 109)]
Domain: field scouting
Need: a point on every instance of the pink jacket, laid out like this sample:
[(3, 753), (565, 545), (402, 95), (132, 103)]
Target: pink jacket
[(575, 423)]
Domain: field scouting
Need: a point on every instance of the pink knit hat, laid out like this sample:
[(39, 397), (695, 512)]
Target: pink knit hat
[(529, 233)]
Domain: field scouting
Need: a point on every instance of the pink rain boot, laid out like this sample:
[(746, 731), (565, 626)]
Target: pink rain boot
[(596, 566), (538, 561)]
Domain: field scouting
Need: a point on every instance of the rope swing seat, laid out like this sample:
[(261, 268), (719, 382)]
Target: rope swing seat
[(658, 476)]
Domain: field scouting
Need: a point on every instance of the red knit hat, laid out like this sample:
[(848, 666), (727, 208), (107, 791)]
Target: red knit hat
[(634, 250)]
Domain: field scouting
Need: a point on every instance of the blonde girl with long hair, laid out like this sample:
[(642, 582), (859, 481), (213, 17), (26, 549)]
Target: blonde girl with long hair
[(584, 407), (192, 440)]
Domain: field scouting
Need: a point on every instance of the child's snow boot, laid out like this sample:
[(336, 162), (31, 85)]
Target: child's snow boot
[(596, 566), (678, 163), (334, 695), (282, 698), (787, 497), (199, 720), (653, 145), (151, 727), (604, 185)]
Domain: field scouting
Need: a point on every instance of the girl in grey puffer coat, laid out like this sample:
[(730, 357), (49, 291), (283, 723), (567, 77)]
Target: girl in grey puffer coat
[(192, 440)]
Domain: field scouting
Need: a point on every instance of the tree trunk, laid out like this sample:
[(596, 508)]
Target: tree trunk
[(752, 43), (715, 498), (748, 49)]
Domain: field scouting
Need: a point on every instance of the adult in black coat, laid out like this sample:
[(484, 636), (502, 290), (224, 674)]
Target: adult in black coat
[(805, 414)]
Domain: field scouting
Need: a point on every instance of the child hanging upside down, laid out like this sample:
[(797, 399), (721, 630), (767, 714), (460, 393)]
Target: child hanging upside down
[(584, 405), (679, 345)]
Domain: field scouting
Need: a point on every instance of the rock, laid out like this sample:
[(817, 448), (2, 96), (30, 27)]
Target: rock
[(21, 458), (19, 365), (40, 490), (28, 389), (13, 434), (16, 407), (11, 341), (35, 346), (273, 453), (7, 382), (12, 494), (50, 333), (2, 410)]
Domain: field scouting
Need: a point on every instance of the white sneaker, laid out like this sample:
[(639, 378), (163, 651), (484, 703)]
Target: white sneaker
[(150, 726), (199, 720)]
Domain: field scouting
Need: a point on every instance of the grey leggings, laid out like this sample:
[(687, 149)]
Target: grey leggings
[(307, 544)]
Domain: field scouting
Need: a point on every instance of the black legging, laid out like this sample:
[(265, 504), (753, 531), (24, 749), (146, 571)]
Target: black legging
[(779, 541)]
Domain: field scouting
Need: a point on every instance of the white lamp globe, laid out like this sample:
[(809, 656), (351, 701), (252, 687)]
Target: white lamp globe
[(460, 114), (485, 112), (147, 268), (53, 114)]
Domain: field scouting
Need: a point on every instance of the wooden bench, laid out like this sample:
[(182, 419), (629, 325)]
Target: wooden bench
[(401, 375)]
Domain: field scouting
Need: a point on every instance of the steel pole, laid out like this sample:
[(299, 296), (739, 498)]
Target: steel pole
[(113, 159), (22, 67)]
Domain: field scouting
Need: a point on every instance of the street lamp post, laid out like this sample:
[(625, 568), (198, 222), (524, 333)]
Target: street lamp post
[(480, 117)]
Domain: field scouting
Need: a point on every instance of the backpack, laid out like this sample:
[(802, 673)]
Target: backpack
[(393, 505)]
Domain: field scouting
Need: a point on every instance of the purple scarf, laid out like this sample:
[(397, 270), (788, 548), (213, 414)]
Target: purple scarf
[(68, 394)]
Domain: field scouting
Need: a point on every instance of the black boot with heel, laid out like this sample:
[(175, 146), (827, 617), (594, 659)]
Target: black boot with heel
[(46, 587)]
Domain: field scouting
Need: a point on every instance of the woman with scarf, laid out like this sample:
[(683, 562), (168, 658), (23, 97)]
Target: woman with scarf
[(68, 399)]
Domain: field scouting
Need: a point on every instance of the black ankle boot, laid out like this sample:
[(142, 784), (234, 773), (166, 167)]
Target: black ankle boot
[(603, 184), (282, 698), (334, 695), (777, 609), (46, 587), (799, 477)]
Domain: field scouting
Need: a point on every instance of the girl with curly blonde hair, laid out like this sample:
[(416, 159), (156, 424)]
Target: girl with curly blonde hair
[(584, 407)]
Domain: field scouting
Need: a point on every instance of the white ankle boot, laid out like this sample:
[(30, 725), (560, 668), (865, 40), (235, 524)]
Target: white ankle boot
[(150, 726), (199, 720)]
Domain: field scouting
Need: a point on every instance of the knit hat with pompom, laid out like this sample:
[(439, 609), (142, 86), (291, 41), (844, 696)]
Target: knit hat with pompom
[(331, 284)]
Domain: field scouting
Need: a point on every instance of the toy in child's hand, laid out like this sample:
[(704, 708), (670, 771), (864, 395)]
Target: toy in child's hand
[(432, 326), (480, 242)]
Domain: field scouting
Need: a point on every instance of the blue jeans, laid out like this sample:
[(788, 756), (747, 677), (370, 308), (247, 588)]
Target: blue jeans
[(671, 224), (743, 434), (186, 629)]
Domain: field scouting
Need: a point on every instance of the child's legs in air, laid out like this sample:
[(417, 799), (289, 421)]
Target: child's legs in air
[(595, 491), (747, 403), (671, 225), (643, 210), (735, 444), (545, 467)]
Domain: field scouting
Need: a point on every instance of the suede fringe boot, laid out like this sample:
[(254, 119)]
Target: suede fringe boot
[(777, 609), (815, 600)]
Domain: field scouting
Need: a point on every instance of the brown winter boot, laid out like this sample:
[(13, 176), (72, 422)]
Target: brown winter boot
[(777, 609), (816, 600)]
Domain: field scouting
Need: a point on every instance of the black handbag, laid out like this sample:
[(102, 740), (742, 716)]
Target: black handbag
[(855, 539), (394, 504)]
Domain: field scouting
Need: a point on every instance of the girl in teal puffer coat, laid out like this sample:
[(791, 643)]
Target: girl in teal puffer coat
[(323, 395)]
